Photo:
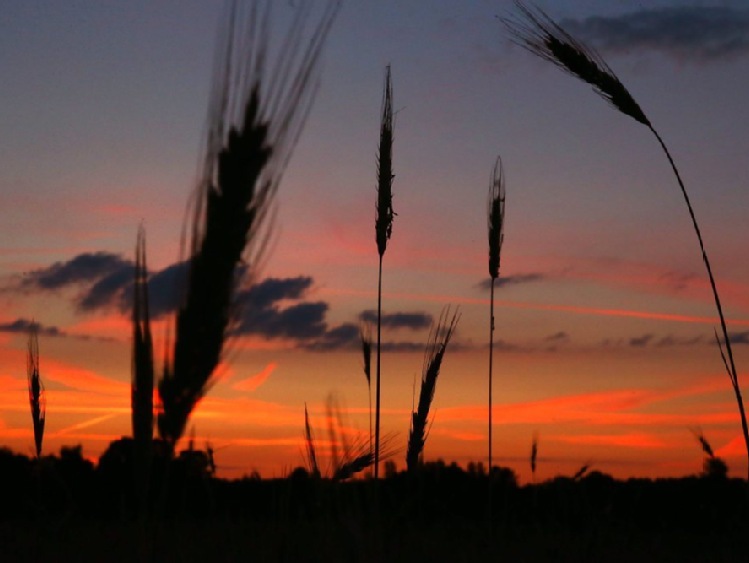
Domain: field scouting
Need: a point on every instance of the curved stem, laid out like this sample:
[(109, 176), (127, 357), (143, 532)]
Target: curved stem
[(729, 352), (491, 357)]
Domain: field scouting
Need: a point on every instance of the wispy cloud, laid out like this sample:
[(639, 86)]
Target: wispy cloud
[(684, 33), (254, 381), (515, 279), (414, 320), (23, 326)]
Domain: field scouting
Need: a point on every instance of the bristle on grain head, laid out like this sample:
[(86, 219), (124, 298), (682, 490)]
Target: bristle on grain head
[(496, 218), (256, 115), (542, 36), (384, 210)]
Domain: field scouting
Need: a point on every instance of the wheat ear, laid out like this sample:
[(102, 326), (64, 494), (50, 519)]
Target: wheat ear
[(435, 352), (255, 118), (383, 229), (495, 223), (37, 395)]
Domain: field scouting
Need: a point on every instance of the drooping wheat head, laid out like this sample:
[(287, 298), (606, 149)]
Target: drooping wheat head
[(256, 114), (435, 352), (37, 398), (539, 34)]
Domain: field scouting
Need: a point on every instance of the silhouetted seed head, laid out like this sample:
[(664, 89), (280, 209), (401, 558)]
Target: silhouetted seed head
[(256, 115), (384, 211), (706, 447), (356, 465), (539, 34), (534, 453), (365, 335), (435, 352), (496, 219), (310, 440), (37, 399)]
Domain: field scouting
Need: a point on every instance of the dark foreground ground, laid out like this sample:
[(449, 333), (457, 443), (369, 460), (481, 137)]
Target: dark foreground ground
[(65, 509)]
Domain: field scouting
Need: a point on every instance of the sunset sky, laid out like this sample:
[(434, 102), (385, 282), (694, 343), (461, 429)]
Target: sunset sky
[(605, 344)]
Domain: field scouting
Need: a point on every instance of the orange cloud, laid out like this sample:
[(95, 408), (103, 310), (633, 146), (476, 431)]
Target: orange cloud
[(251, 383), (636, 440)]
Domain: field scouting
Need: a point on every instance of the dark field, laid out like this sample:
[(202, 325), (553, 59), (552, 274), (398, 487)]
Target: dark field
[(66, 509)]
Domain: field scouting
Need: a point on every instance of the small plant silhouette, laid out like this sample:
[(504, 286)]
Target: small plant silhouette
[(435, 352), (37, 395), (496, 222), (383, 230), (256, 115)]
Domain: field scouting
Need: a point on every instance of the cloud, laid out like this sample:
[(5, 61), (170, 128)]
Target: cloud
[(101, 278), (82, 269), (560, 336), (415, 320), (23, 326), (640, 341), (517, 279), (686, 34), (254, 381), (739, 337)]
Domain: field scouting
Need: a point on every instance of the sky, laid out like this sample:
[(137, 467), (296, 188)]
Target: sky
[(604, 318)]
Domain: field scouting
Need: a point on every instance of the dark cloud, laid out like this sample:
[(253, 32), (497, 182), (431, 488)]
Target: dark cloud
[(671, 340), (641, 341), (23, 326), (688, 33), (342, 337), (415, 320), (739, 338), (517, 279), (678, 281), (85, 268), (560, 336)]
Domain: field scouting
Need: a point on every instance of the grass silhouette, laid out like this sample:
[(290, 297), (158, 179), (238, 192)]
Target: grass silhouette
[(539, 34), (435, 352), (495, 222), (256, 114), (37, 394), (383, 230)]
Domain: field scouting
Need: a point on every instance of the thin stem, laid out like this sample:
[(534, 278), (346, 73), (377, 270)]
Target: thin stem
[(729, 352), (377, 374), (491, 357)]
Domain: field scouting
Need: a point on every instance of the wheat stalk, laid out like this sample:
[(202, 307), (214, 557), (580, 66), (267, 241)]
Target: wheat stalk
[(439, 337), (37, 395), (495, 221), (538, 33), (383, 229), (255, 118)]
